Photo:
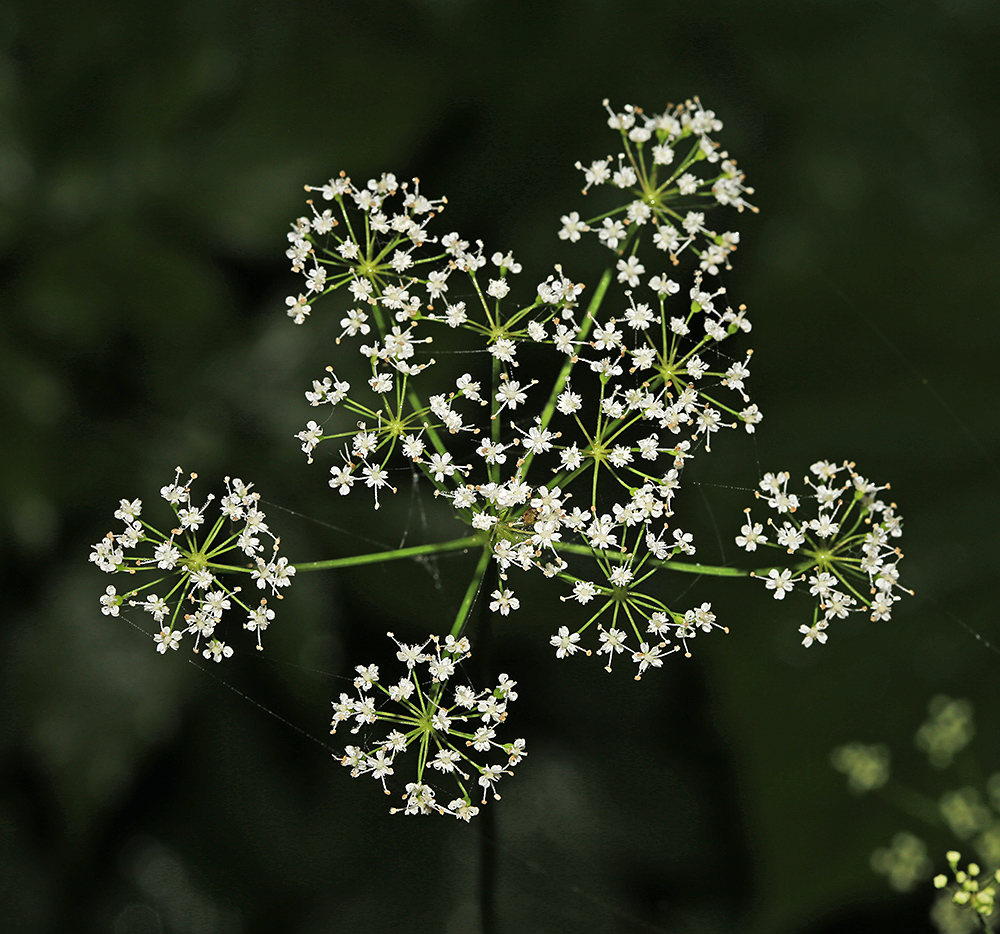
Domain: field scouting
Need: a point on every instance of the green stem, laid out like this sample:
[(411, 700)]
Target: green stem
[(487, 577), (461, 618), (488, 870), (688, 567), (912, 802), (211, 565), (492, 470), (435, 548)]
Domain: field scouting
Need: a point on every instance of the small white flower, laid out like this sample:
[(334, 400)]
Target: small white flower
[(565, 642), (814, 633), (110, 602), (217, 651), (572, 227), (780, 582), (504, 601), (167, 639), (497, 288)]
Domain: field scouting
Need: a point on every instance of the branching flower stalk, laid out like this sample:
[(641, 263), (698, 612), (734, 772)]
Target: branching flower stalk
[(560, 450)]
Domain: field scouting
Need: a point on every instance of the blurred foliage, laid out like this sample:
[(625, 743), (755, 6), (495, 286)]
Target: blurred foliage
[(151, 158)]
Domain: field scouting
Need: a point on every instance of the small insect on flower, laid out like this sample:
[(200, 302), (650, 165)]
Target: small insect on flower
[(527, 520)]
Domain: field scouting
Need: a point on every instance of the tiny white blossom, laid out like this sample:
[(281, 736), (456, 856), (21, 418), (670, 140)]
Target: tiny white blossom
[(504, 601), (780, 582)]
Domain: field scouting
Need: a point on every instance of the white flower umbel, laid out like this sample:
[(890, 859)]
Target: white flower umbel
[(561, 448), (550, 470), (445, 724), (190, 598), (845, 547)]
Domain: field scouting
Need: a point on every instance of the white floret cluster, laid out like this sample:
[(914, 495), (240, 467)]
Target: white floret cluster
[(673, 172), (581, 456), (561, 446), (439, 720), (846, 548), (187, 562)]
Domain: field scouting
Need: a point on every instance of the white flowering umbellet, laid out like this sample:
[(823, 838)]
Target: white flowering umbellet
[(683, 166), (449, 726), (187, 564), (844, 554)]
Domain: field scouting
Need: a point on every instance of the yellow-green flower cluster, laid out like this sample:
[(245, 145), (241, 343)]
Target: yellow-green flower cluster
[(948, 730), (866, 767), (972, 889)]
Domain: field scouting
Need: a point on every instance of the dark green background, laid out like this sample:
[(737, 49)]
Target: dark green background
[(151, 158)]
